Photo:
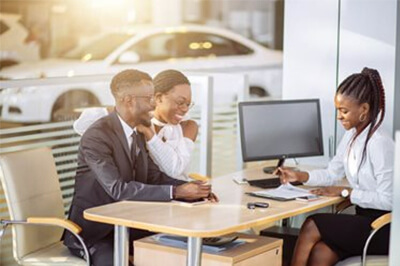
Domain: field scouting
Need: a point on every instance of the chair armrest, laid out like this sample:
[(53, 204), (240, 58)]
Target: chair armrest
[(199, 177), (340, 207), (67, 224), (376, 225), (381, 221)]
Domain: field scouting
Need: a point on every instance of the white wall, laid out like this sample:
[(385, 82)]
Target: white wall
[(368, 38), (394, 259), (322, 46), (309, 62)]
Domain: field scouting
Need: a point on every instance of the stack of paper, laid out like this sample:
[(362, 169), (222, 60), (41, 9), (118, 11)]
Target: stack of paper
[(283, 192)]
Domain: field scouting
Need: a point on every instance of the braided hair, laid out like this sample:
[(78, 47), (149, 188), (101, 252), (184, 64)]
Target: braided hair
[(366, 87), (167, 79)]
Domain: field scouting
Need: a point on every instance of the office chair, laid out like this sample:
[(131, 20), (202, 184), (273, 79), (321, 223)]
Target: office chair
[(32, 190), (376, 225)]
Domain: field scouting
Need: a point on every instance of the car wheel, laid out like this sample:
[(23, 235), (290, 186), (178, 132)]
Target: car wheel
[(7, 63), (256, 91), (65, 108)]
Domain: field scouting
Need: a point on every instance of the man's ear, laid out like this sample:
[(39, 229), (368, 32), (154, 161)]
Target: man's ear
[(128, 100)]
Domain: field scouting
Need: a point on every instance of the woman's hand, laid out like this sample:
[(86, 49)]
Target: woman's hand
[(330, 191), (286, 175), (146, 131)]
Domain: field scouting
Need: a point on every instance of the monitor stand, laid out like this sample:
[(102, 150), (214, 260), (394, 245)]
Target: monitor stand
[(271, 169)]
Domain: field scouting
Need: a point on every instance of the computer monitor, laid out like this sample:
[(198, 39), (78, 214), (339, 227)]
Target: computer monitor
[(280, 130)]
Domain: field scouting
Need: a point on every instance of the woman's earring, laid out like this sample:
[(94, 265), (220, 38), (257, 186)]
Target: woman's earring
[(362, 117)]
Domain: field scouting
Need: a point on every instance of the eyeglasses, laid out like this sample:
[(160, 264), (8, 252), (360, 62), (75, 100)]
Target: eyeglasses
[(150, 98), (182, 104)]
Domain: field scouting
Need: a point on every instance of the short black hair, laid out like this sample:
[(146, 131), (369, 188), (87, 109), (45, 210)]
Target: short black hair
[(127, 79)]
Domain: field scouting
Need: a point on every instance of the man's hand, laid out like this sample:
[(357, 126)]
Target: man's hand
[(329, 191), (286, 175), (146, 131), (193, 190), (212, 197)]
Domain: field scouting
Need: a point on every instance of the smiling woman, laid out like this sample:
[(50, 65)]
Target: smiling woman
[(170, 138), (366, 157)]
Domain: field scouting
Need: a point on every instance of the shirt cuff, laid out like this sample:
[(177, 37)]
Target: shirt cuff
[(152, 140), (355, 195), (311, 179)]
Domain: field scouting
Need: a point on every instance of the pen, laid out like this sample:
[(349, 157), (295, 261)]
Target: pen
[(199, 177)]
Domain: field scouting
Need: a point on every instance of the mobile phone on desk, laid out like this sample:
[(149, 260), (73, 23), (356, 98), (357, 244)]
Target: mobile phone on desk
[(240, 180)]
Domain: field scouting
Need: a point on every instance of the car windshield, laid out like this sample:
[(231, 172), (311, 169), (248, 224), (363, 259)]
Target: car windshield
[(98, 49)]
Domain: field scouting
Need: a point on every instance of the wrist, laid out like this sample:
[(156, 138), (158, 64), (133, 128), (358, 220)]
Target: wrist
[(303, 177), (149, 134), (173, 192), (345, 192)]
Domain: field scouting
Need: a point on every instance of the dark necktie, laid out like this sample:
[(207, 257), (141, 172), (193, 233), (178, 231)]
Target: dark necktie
[(133, 150)]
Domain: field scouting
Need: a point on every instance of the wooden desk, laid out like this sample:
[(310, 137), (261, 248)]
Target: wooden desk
[(207, 220)]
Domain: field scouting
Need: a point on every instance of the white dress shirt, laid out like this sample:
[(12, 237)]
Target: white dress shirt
[(372, 183), (172, 156), (128, 135)]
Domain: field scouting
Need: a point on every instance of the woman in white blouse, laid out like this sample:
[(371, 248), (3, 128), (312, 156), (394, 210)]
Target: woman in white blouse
[(366, 157), (171, 137)]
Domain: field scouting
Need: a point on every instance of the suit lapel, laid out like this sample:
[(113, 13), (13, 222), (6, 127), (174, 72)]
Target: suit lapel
[(119, 132)]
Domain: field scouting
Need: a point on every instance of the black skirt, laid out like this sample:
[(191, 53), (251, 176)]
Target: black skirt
[(346, 234)]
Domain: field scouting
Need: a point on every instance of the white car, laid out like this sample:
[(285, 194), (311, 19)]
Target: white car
[(192, 48), (13, 39)]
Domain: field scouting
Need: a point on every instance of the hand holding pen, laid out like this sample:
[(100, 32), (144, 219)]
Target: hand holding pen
[(286, 175)]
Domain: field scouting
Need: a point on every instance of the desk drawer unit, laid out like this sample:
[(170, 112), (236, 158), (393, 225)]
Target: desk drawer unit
[(257, 250)]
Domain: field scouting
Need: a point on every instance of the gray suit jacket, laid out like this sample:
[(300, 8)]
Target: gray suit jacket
[(106, 174)]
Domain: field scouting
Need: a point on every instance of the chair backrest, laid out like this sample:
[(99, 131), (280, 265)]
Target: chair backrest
[(31, 187)]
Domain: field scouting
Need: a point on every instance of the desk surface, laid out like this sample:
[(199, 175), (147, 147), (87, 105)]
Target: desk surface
[(207, 220)]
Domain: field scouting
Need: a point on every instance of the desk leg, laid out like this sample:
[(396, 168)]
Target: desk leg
[(194, 251), (121, 246)]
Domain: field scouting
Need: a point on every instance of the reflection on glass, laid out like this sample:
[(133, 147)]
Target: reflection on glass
[(98, 49)]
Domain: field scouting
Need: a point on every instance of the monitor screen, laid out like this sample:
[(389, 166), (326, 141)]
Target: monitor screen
[(280, 129)]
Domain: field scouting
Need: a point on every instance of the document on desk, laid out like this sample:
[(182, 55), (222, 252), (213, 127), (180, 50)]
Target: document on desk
[(283, 192)]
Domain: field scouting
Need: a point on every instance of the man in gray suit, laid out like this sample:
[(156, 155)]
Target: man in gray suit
[(113, 165)]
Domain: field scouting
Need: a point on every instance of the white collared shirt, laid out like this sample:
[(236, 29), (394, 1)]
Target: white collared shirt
[(128, 132), (173, 156), (171, 150), (372, 183), (128, 135)]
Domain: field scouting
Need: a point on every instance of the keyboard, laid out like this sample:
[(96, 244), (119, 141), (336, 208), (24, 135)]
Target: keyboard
[(269, 183)]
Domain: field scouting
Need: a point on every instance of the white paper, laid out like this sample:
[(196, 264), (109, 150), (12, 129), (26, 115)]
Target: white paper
[(286, 191)]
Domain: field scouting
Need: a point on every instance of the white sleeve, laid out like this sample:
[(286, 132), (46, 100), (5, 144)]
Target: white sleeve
[(172, 156), (88, 117), (381, 154), (335, 170)]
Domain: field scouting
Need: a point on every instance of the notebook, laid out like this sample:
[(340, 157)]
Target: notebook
[(282, 193)]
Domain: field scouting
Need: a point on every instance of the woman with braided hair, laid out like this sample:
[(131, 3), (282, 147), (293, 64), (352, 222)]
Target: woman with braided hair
[(170, 139), (365, 156)]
